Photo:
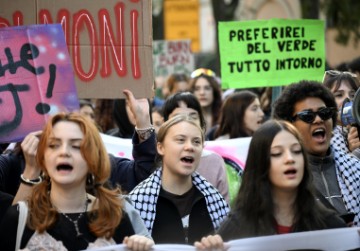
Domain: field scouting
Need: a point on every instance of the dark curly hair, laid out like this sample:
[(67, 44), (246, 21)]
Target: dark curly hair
[(283, 107)]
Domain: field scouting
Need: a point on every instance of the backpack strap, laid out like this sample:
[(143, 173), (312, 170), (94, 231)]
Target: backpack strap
[(23, 212)]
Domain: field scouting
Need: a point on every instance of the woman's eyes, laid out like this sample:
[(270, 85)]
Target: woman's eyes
[(294, 151), (197, 142), (297, 151), (338, 95), (275, 154), (53, 146), (180, 140)]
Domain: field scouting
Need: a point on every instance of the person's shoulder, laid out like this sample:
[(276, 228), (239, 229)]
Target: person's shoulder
[(148, 186), (331, 218), (210, 135), (334, 221), (11, 215)]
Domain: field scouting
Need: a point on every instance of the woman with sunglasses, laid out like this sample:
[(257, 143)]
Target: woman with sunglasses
[(312, 109), (276, 195), (344, 86), (207, 90)]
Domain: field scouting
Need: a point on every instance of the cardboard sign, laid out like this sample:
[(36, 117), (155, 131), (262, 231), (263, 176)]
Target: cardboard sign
[(110, 41), (172, 57), (181, 21), (271, 52), (36, 79)]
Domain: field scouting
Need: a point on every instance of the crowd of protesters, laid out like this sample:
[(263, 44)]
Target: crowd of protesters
[(60, 188)]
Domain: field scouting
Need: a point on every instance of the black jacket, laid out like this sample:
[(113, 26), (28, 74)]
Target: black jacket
[(168, 226)]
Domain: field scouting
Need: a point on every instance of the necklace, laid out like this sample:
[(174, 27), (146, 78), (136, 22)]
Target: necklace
[(76, 221)]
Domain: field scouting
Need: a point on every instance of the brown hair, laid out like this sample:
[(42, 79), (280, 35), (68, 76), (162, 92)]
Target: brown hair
[(108, 216), (216, 104), (232, 115), (174, 79)]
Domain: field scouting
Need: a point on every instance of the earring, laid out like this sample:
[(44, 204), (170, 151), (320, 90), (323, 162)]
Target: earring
[(90, 180)]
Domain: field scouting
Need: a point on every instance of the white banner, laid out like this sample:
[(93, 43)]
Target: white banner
[(232, 150), (330, 240)]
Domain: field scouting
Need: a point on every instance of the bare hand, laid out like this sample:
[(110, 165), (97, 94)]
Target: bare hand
[(211, 242), (138, 243), (29, 147), (353, 138), (139, 108)]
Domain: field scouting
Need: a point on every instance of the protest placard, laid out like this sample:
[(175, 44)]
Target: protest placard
[(181, 21), (272, 52), (110, 42), (172, 56), (36, 79)]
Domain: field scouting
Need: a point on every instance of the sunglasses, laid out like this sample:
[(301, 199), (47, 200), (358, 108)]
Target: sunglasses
[(308, 116), (334, 73), (202, 71)]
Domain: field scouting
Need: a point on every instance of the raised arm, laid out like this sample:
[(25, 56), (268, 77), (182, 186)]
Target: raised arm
[(31, 174), (128, 173)]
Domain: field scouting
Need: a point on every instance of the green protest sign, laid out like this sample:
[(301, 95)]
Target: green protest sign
[(272, 52)]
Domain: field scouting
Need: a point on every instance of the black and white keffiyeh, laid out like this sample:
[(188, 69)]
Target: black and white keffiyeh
[(348, 174), (145, 195)]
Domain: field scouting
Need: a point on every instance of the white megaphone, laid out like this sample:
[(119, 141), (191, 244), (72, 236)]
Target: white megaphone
[(350, 111)]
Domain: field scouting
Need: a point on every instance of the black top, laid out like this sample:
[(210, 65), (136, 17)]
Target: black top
[(236, 226), (5, 203), (168, 226), (63, 230)]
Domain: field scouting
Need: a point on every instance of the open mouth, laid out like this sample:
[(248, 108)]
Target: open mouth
[(290, 172), (188, 160), (319, 133), (64, 167)]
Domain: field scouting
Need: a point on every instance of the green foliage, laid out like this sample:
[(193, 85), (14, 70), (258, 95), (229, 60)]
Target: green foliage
[(344, 16)]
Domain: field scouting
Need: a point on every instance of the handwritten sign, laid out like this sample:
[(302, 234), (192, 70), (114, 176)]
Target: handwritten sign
[(173, 56), (36, 79), (271, 52), (110, 42), (181, 21)]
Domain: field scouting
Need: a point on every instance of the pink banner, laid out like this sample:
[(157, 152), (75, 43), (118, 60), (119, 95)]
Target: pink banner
[(36, 79)]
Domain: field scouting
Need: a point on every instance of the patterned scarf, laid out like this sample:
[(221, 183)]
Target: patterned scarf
[(145, 195), (348, 173)]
